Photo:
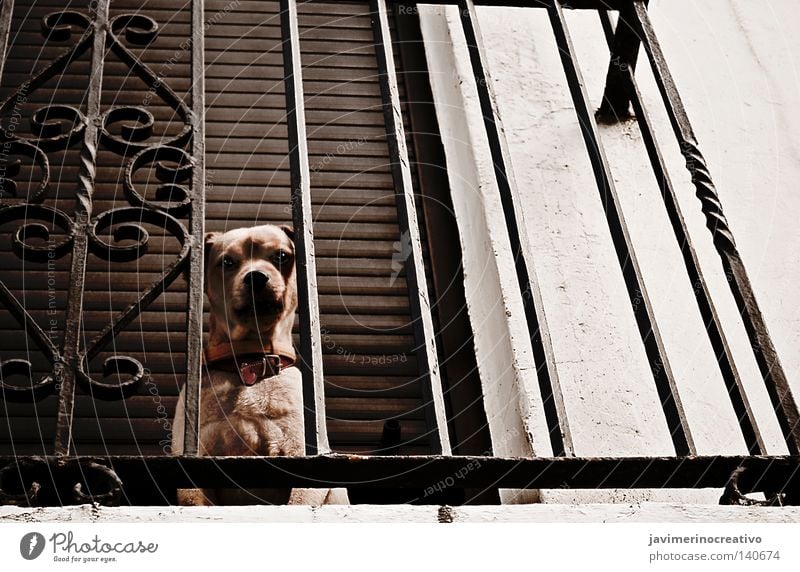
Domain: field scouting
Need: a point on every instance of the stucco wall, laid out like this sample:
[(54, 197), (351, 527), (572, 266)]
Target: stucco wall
[(734, 63), (650, 512)]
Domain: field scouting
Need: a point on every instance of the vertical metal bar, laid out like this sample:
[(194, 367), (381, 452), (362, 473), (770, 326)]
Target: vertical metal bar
[(642, 307), (544, 357), (6, 13), (424, 334), (194, 315), (66, 368), (708, 312), (624, 53), (764, 351), (310, 336)]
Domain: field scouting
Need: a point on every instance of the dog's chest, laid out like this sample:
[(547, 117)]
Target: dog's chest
[(275, 397), (265, 418)]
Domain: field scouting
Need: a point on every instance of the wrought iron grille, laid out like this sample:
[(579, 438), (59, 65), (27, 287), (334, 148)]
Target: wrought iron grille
[(45, 232)]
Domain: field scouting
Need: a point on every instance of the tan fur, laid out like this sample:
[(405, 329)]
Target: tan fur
[(264, 419)]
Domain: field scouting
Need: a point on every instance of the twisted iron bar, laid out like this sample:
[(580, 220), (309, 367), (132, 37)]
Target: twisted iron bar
[(71, 358), (706, 191)]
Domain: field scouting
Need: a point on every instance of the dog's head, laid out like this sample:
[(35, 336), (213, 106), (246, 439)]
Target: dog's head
[(250, 278)]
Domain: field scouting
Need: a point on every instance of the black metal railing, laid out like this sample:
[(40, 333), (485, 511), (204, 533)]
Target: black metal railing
[(46, 480)]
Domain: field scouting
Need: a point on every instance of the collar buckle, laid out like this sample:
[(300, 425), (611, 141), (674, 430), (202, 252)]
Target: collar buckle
[(267, 365)]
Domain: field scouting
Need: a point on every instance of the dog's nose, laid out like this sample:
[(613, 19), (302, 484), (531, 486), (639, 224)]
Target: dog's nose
[(256, 280)]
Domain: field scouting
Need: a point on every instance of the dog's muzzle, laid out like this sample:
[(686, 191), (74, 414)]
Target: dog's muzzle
[(260, 305), (256, 280)]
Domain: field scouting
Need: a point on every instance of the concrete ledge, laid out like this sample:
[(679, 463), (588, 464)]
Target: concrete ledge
[(619, 513)]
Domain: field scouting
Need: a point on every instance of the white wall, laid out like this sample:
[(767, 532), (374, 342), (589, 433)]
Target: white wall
[(398, 514), (734, 63)]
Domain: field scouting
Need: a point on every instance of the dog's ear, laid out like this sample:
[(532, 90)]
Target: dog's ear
[(209, 241), (288, 230)]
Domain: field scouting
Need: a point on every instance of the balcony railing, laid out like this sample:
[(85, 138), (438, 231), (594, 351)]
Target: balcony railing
[(62, 478)]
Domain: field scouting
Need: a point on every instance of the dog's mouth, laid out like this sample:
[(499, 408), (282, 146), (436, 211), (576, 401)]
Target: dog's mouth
[(259, 307)]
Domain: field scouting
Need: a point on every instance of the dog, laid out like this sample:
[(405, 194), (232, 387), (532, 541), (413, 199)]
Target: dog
[(251, 400)]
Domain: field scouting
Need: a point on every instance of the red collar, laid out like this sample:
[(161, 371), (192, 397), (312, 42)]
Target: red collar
[(253, 367), (251, 359)]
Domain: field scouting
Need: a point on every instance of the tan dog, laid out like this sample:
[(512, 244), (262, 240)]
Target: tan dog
[(251, 400)]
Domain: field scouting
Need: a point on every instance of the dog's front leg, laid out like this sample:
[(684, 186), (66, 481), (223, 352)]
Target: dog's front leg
[(195, 497), (318, 497)]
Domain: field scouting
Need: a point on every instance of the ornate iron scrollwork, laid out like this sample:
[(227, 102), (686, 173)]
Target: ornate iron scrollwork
[(14, 491), (127, 223), (171, 196), (117, 235), (140, 30), (38, 481), (733, 495), (16, 147), (22, 367)]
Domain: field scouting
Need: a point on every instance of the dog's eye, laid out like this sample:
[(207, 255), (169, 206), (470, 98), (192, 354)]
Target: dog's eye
[(228, 262), (281, 258)]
